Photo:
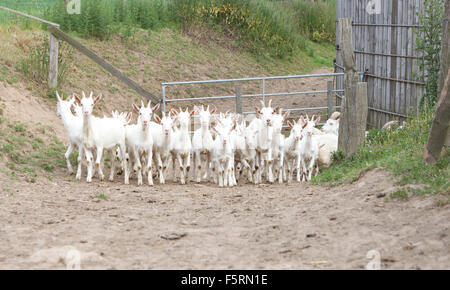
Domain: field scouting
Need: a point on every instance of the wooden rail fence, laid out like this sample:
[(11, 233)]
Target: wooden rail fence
[(57, 34)]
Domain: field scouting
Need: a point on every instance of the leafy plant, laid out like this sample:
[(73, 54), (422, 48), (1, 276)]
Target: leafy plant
[(429, 44), (36, 64)]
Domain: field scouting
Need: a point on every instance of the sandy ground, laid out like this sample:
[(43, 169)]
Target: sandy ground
[(44, 224), (198, 226)]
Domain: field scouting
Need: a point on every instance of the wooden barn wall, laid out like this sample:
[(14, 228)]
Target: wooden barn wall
[(385, 50)]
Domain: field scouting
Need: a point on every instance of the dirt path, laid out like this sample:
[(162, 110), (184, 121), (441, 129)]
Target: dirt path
[(298, 226)]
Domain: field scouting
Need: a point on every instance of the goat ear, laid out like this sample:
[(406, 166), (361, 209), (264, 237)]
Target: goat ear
[(157, 119), (98, 98), (213, 111), (257, 111), (290, 124), (136, 108), (286, 115), (317, 119), (129, 116), (155, 108), (77, 98), (192, 113), (304, 125), (277, 110), (214, 129), (218, 120), (58, 96), (174, 111)]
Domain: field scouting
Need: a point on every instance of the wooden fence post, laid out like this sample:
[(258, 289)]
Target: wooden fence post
[(53, 63), (330, 98), (354, 106), (238, 99)]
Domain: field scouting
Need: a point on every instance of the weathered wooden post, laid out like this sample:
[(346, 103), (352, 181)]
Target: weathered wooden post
[(354, 106), (440, 129), (330, 98), (238, 99), (53, 63)]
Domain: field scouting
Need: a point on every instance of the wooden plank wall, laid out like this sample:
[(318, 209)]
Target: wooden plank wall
[(385, 50)]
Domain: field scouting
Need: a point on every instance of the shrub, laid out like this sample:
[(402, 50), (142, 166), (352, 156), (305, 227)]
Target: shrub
[(36, 64)]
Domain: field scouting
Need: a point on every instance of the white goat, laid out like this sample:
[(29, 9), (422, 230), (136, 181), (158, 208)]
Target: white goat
[(182, 144), (263, 125), (100, 134), (222, 157), (202, 143), (139, 141), (165, 145), (278, 152), (74, 128), (308, 149)]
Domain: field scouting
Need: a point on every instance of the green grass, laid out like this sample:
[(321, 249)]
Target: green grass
[(276, 28), (399, 151), (101, 196), (27, 154)]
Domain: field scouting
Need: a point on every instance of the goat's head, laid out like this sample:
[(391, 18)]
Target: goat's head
[(278, 120), (331, 126), (266, 113), (309, 124), (296, 129), (166, 123), (87, 103), (204, 115), (227, 120), (145, 113), (251, 138), (223, 133), (183, 117), (63, 106)]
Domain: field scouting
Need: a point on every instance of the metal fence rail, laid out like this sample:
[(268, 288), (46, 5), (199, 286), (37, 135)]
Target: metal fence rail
[(261, 95)]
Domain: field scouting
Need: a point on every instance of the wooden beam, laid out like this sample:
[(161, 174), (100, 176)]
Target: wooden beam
[(29, 16), (100, 61)]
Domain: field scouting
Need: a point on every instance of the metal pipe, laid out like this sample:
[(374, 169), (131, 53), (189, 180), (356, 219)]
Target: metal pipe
[(164, 98), (251, 79), (250, 96)]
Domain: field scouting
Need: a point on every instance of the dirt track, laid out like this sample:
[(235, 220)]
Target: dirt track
[(201, 227)]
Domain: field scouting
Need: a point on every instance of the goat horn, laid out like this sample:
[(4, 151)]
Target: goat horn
[(91, 94), (262, 103), (83, 93), (270, 102)]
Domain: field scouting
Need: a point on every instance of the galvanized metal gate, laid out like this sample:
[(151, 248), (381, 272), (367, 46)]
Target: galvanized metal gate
[(384, 44)]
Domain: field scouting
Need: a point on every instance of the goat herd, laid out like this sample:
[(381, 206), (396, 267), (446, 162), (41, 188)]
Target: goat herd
[(224, 152)]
